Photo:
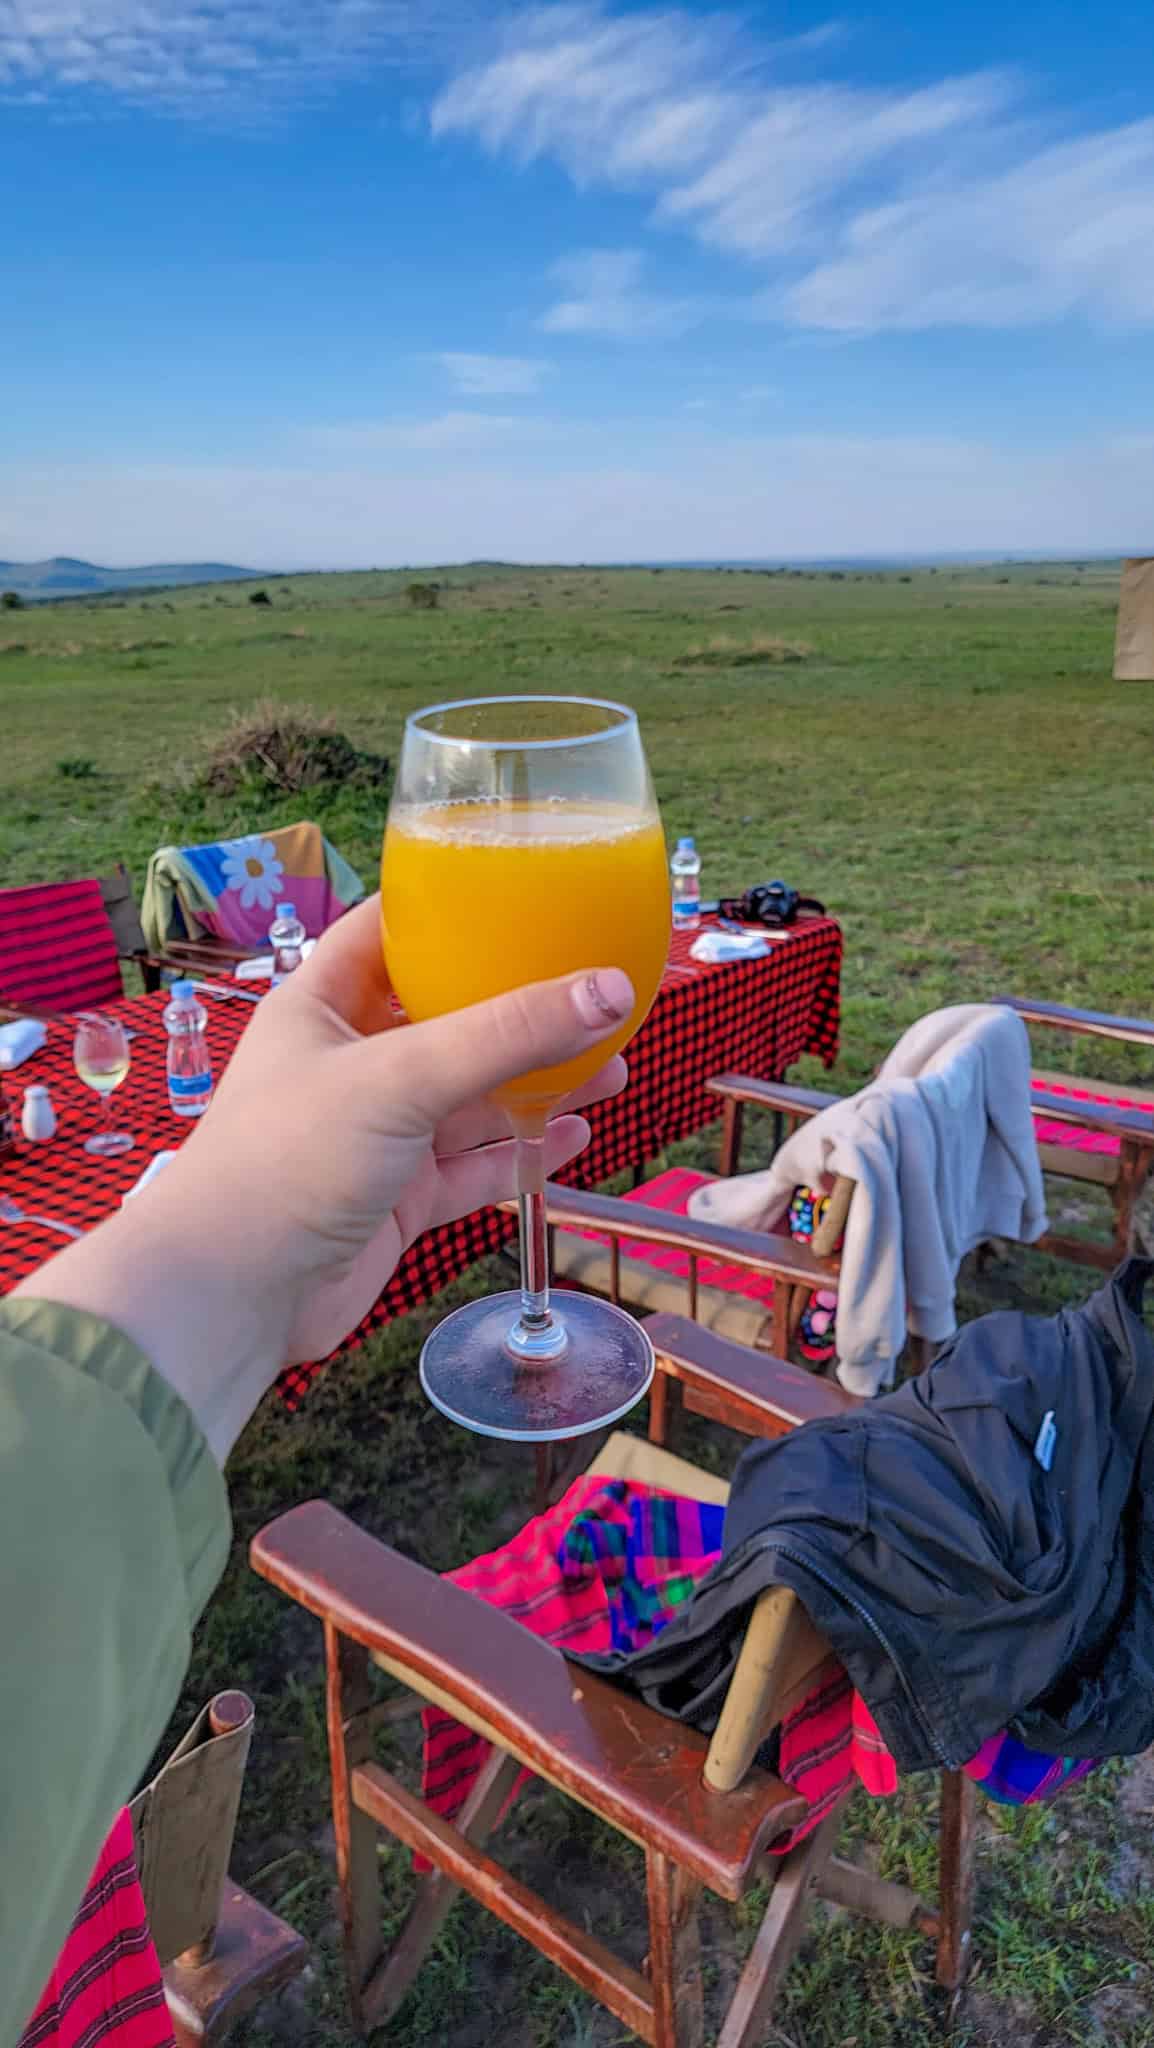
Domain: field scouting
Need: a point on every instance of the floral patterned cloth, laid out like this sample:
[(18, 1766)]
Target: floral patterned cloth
[(230, 890)]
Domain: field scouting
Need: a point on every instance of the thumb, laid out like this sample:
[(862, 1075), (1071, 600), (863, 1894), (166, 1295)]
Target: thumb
[(449, 1061)]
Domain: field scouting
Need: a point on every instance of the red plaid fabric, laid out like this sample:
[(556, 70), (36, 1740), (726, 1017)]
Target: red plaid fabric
[(57, 948), (826, 1743), (106, 1990), (749, 1016)]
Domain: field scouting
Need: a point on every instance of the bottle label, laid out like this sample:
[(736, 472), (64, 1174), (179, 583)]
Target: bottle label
[(188, 1086)]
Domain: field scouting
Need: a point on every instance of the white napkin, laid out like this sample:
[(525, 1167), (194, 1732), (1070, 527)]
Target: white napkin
[(20, 1040), (713, 947), (257, 969), (155, 1166)]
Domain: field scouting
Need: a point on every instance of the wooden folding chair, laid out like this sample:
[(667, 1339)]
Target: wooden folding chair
[(222, 1950), (702, 1809), (1123, 1174), (202, 956)]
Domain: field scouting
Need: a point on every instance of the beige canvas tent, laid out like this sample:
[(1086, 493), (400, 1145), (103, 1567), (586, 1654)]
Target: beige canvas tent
[(1134, 643)]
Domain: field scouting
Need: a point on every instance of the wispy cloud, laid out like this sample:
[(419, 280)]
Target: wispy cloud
[(493, 376), (861, 208), (602, 293), (445, 431), (197, 55)]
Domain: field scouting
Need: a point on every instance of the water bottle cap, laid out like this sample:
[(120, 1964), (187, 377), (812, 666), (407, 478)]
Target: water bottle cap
[(286, 910), (686, 846), (35, 1092), (182, 992)]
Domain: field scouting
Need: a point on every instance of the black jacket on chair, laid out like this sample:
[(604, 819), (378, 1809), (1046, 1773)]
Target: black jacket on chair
[(977, 1547)]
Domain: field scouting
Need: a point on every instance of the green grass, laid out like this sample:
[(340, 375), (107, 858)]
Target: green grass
[(953, 771)]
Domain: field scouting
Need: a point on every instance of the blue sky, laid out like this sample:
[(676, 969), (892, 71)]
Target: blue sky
[(326, 282)]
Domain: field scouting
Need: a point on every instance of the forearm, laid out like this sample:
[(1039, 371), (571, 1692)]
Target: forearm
[(180, 1275)]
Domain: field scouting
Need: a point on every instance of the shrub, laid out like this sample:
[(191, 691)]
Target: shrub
[(424, 597), (725, 652), (79, 770), (275, 750), (259, 597), (11, 601)]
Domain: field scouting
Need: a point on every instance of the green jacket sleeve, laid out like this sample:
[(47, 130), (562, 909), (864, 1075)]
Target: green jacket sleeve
[(114, 1530)]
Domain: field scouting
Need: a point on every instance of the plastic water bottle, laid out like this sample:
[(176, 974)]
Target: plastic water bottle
[(685, 869), (189, 1063), (286, 936)]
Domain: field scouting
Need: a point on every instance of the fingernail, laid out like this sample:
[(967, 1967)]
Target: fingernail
[(603, 998)]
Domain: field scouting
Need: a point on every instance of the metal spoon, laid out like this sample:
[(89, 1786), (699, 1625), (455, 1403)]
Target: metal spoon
[(10, 1213)]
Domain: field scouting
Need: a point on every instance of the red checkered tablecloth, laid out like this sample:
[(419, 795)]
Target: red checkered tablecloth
[(748, 1016)]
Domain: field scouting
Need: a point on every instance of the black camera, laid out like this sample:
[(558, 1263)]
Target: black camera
[(773, 904)]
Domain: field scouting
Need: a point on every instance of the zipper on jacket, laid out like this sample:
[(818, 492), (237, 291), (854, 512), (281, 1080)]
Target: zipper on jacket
[(875, 1629)]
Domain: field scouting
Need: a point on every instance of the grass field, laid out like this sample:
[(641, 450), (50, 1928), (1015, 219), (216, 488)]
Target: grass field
[(944, 759)]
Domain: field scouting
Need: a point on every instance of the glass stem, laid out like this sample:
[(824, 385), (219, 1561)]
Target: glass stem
[(537, 1333), (107, 1101)]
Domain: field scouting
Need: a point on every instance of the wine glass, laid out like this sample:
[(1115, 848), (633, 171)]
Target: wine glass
[(100, 1056), (523, 842)]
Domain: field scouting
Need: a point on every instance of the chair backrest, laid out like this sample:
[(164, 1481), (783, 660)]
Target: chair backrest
[(780, 1656), (230, 889), (122, 913), (57, 947), (184, 1822), (782, 1649), (828, 1235)]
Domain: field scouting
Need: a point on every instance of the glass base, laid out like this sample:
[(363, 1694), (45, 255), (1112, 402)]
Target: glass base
[(471, 1375), (109, 1144)]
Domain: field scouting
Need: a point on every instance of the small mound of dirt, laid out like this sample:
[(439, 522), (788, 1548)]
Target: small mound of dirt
[(284, 749)]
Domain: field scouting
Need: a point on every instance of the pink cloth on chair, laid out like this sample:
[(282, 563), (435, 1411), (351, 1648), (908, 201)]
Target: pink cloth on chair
[(1049, 1131), (106, 1990)]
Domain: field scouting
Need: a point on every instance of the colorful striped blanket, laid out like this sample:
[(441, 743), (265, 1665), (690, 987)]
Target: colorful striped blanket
[(106, 1990), (607, 1568), (230, 890)]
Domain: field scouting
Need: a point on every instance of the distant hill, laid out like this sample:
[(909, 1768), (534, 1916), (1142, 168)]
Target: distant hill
[(64, 576)]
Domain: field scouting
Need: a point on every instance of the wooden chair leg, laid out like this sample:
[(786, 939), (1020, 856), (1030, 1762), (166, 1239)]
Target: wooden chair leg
[(674, 1955), (781, 1312), (438, 1894), (347, 1699), (778, 1936), (1134, 1165), (732, 1131), (797, 1308), (957, 1832), (666, 1409), (543, 1477)]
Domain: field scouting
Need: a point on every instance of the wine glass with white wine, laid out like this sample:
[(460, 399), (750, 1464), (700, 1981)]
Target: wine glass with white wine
[(101, 1057)]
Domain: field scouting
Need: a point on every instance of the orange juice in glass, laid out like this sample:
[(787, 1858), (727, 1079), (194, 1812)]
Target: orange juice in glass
[(524, 842), (477, 897)]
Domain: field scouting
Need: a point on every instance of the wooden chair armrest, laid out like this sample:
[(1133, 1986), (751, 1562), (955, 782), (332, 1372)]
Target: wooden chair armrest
[(1088, 1023), (15, 1013), (634, 1766), (209, 950), (780, 1095), (756, 1393), (760, 1251), (1104, 1117)]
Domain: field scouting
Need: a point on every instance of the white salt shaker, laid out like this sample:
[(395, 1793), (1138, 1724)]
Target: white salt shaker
[(38, 1121)]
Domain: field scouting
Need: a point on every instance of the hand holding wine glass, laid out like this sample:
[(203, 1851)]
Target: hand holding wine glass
[(101, 1057), (524, 841)]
